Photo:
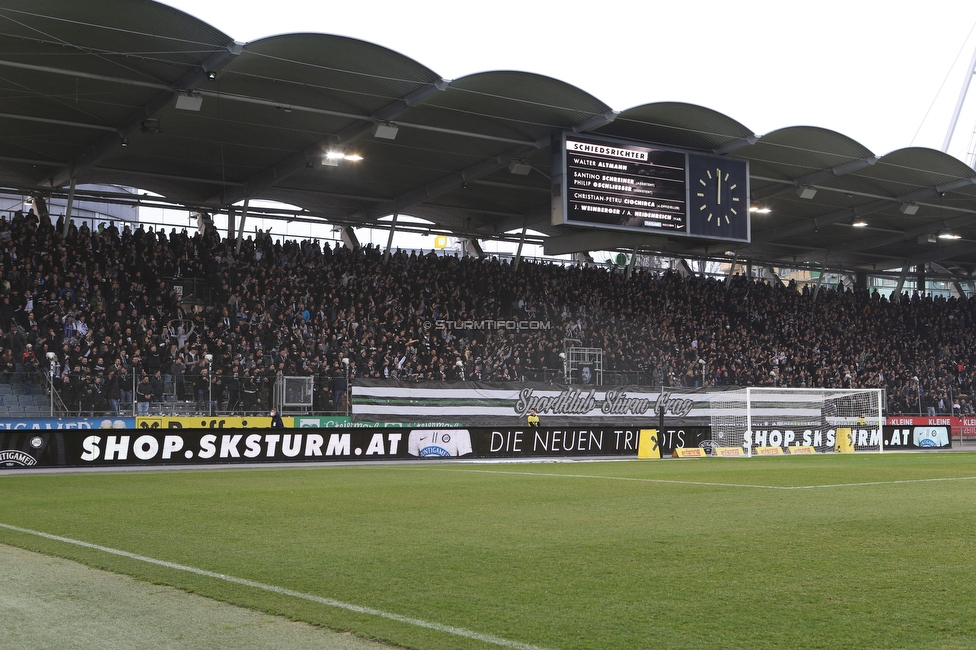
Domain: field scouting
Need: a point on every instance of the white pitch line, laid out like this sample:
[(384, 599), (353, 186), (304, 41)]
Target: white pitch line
[(713, 484), (448, 629)]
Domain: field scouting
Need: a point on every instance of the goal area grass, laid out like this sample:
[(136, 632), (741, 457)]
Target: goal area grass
[(827, 551)]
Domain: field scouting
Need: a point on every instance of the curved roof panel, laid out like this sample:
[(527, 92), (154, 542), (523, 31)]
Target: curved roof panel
[(919, 166), (677, 124), (800, 150), (328, 72), (523, 97)]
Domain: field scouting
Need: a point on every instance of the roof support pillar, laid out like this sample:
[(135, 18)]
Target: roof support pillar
[(631, 264), (901, 280), (240, 231), (473, 249), (770, 275), (231, 218), (958, 287), (518, 253), (728, 276), (731, 273), (349, 238), (389, 240), (823, 272), (582, 257), (67, 208)]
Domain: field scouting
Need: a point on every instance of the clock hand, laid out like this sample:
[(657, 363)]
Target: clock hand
[(718, 178)]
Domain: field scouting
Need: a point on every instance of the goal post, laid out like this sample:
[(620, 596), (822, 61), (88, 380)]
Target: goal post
[(793, 417)]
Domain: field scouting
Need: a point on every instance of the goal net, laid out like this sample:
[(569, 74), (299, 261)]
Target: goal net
[(827, 419)]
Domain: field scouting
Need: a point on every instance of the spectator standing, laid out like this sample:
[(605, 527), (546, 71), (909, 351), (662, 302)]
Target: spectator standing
[(144, 395), (276, 421)]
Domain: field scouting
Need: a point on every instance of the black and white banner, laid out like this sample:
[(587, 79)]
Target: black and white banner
[(120, 447), (209, 446), (917, 437), (481, 405)]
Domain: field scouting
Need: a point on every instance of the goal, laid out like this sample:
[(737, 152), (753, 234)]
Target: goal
[(751, 418)]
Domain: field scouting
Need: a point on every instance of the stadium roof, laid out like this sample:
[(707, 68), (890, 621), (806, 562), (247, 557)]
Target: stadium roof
[(136, 93)]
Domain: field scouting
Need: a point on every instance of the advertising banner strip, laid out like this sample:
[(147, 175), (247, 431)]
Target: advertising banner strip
[(729, 452), (962, 426), (344, 422), (67, 424), (182, 446), (165, 445), (917, 437), (799, 450), (200, 422)]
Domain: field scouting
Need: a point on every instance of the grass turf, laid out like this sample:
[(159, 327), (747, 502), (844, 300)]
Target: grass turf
[(662, 554)]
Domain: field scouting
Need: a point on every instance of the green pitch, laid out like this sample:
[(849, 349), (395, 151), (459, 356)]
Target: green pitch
[(862, 551)]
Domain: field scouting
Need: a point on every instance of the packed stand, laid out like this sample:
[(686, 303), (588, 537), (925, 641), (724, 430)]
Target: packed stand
[(105, 304)]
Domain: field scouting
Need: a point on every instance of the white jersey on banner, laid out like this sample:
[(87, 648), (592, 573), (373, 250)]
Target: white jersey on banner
[(443, 443)]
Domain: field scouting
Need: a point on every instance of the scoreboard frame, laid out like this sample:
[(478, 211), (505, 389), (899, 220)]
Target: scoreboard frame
[(630, 186)]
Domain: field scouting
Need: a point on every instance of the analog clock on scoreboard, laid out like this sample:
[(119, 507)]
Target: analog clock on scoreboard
[(718, 197)]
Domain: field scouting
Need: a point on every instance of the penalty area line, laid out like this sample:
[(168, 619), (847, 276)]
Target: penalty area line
[(716, 484), (448, 629)]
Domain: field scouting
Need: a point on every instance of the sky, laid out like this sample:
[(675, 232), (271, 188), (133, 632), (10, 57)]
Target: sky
[(887, 74)]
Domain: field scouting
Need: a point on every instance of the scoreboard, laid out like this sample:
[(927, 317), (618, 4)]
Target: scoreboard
[(620, 185)]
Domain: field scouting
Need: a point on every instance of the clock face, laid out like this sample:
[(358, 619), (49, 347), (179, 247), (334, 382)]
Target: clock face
[(718, 197)]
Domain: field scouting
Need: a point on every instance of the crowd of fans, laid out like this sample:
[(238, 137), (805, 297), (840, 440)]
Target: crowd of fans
[(106, 304)]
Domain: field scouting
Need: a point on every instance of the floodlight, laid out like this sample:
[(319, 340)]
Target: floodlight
[(519, 166), (806, 192), (385, 130), (189, 101)]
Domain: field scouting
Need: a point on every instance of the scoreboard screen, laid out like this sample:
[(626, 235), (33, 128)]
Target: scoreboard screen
[(625, 185), (604, 183)]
